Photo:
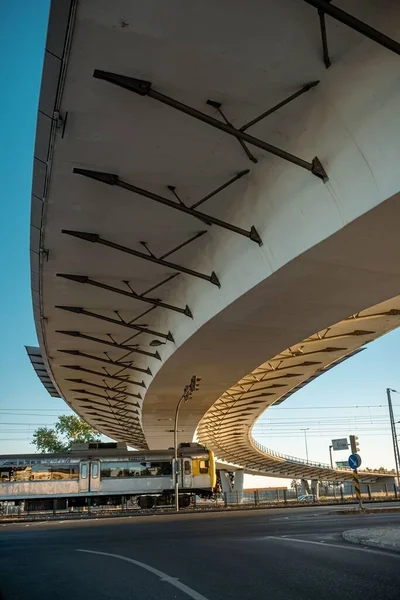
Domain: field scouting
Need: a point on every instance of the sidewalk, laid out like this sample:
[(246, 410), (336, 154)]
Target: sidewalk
[(380, 537)]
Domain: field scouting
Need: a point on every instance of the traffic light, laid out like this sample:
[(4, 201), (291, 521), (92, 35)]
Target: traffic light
[(354, 444), (195, 383)]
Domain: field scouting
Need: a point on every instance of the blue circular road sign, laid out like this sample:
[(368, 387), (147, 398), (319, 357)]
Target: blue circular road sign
[(354, 461)]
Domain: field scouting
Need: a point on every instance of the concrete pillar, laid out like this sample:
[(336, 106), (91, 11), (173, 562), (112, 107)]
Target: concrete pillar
[(226, 483), (315, 488), (238, 486), (233, 491), (306, 486)]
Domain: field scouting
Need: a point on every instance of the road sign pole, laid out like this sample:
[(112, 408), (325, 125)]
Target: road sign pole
[(356, 482)]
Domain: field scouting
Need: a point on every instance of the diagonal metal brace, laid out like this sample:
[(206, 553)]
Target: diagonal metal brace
[(82, 311), (143, 88), (355, 24), (270, 111), (94, 238), (104, 387), (86, 280), (109, 405), (112, 179), (218, 107), (112, 406), (220, 188), (113, 363), (90, 393), (91, 338), (104, 375)]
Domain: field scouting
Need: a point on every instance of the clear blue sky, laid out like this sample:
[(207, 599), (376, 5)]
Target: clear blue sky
[(23, 25), (24, 403)]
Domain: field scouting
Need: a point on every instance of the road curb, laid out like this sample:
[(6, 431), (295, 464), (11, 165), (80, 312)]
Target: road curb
[(365, 537), (365, 511)]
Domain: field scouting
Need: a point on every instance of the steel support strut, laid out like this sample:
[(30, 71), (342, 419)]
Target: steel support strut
[(91, 338), (270, 111), (105, 375), (112, 406), (104, 387), (220, 188), (355, 24), (94, 238), (324, 39), (143, 88), (113, 179), (113, 363), (84, 279), (82, 311), (90, 393)]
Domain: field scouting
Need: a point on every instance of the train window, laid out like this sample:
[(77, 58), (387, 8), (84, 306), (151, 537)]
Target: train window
[(95, 470), (203, 466), (41, 472), (134, 469), (64, 472), (187, 467), (84, 471)]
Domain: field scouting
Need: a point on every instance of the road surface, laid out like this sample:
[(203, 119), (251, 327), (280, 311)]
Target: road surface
[(275, 554)]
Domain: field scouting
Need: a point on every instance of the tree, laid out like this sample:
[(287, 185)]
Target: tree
[(68, 429)]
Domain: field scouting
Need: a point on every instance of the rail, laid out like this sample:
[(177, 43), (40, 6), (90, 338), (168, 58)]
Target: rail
[(293, 459)]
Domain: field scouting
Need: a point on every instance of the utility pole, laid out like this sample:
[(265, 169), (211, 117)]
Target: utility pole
[(305, 440), (330, 455), (394, 434), (187, 393)]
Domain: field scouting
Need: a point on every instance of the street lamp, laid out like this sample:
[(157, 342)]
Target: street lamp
[(305, 439), (187, 393)]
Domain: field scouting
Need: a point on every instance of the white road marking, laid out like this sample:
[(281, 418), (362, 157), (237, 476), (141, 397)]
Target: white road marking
[(163, 576), (346, 547)]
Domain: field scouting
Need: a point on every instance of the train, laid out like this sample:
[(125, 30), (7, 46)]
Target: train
[(96, 474)]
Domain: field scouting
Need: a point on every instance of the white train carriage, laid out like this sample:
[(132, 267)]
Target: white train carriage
[(95, 473)]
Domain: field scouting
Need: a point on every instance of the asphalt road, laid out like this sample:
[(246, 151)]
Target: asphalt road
[(274, 555)]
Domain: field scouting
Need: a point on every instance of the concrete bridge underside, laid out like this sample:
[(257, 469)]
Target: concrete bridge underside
[(238, 290)]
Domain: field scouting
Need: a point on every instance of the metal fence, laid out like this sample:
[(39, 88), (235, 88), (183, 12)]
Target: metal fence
[(263, 498)]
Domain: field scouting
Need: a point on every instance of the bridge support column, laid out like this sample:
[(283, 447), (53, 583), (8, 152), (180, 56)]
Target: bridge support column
[(232, 487), (238, 486), (226, 482), (306, 486), (315, 488)]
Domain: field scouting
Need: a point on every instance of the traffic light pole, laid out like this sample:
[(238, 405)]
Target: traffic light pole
[(184, 397), (394, 434)]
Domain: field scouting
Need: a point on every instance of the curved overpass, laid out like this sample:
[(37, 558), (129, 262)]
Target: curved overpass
[(164, 245)]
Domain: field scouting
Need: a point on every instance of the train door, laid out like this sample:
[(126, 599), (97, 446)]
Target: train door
[(84, 476), (186, 473), (95, 476)]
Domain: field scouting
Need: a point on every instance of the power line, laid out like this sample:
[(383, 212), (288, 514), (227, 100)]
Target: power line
[(330, 407)]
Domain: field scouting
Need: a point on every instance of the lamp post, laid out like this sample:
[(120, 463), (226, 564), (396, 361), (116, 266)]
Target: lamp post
[(187, 393), (330, 455), (305, 440)]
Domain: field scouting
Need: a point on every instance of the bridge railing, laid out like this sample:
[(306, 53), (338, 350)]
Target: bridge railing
[(289, 458)]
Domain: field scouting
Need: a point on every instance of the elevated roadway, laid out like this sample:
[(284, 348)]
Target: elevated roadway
[(177, 228)]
